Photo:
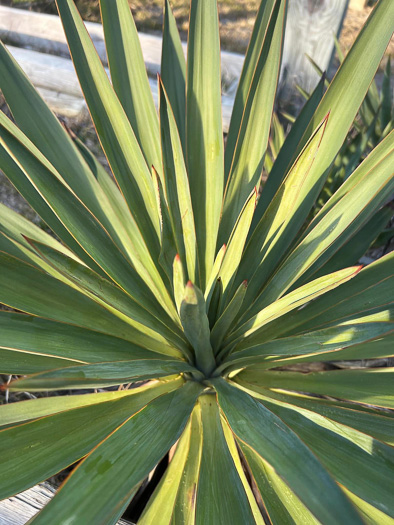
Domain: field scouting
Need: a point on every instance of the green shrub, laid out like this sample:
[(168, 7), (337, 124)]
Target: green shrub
[(179, 283)]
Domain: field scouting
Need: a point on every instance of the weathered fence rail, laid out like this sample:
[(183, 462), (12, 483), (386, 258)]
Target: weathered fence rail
[(19, 509)]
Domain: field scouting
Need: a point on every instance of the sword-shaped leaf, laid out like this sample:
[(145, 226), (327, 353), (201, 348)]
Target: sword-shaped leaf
[(173, 71), (114, 481), (204, 135), (252, 137), (261, 430), (100, 375), (177, 189), (114, 129), (196, 327), (129, 77), (36, 450), (31, 344), (369, 386)]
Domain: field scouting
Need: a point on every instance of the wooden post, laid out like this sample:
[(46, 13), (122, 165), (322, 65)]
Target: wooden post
[(310, 29)]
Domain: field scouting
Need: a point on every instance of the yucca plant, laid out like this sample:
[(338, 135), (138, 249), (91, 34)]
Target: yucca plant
[(178, 283)]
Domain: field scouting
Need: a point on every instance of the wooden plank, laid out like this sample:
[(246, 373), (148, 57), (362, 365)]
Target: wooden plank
[(310, 29), (44, 33), (19, 509), (55, 79)]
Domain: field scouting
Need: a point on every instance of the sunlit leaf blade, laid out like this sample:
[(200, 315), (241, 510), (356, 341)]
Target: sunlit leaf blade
[(218, 474), (292, 301), (213, 277), (281, 222), (38, 123), (252, 56), (332, 340), (110, 188), (36, 450), (113, 482), (99, 375), (16, 228), (371, 421), (38, 203), (357, 245), (338, 225), (369, 386), (226, 320), (286, 155), (235, 246), (31, 344), (252, 139), (204, 135), (114, 299), (369, 514), (357, 461), (387, 97), (196, 327), (261, 430), (358, 69), (282, 505), (12, 414), (114, 130), (168, 246), (179, 281), (177, 189), (173, 71), (84, 226), (174, 499), (370, 293), (129, 77), (25, 288)]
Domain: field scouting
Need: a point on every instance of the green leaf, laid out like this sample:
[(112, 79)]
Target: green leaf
[(100, 375), (247, 153), (257, 40), (317, 343), (35, 451), (235, 247), (23, 185), (370, 386), (373, 422), (25, 288), (281, 503), (114, 480), (262, 431), (196, 326), (226, 320), (204, 135), (31, 344), (114, 130), (368, 294), (12, 413), (358, 69), (40, 125), (360, 463), (179, 282), (292, 301), (129, 77), (177, 189), (345, 218), (281, 222), (173, 71), (114, 299), (174, 498), (356, 247), (85, 227), (387, 97), (286, 155), (218, 474)]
